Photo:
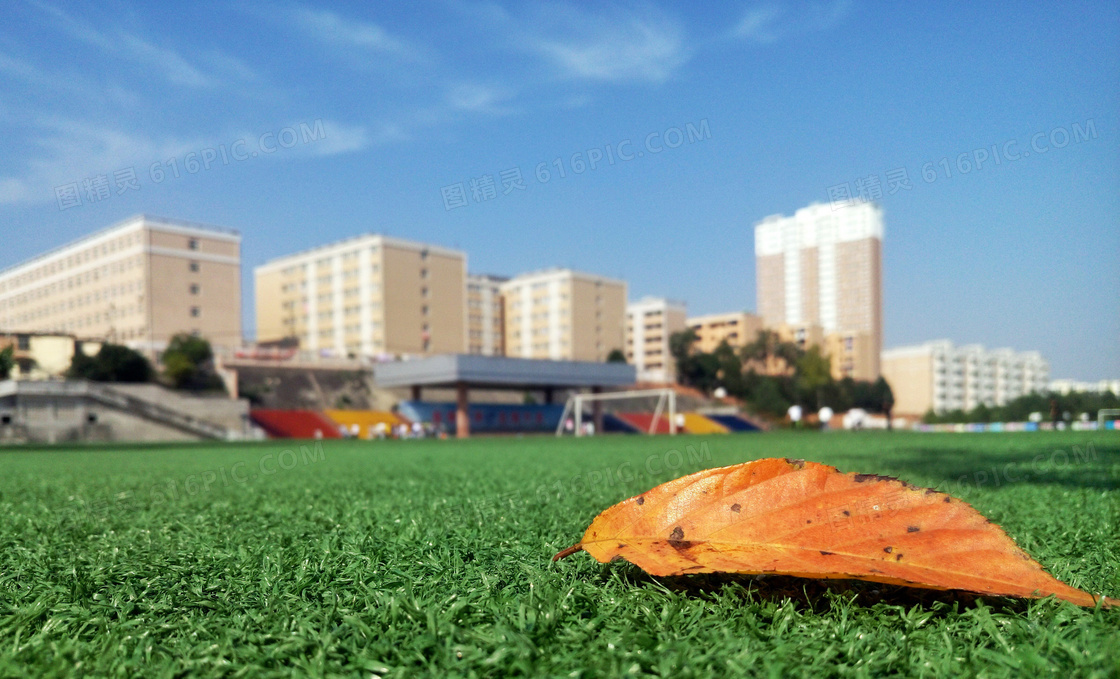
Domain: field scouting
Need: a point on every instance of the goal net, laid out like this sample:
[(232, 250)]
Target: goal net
[(648, 411)]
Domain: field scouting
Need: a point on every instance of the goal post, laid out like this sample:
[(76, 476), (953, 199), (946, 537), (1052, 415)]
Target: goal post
[(1106, 413), (666, 404)]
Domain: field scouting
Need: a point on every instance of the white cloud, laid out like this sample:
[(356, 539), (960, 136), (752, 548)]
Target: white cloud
[(476, 98), (764, 24), (332, 29), (615, 46), (339, 138), (150, 57), (71, 151)]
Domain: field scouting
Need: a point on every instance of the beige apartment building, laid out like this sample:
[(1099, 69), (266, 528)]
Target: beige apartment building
[(649, 324), (823, 267), (485, 315), (561, 314), (136, 283), (737, 328), (369, 296), (941, 377)]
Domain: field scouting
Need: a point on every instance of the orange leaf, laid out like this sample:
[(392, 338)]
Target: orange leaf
[(804, 519)]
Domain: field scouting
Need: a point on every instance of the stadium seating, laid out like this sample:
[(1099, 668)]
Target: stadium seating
[(365, 419), (733, 423), (488, 417), (294, 424), (695, 423), (643, 422)]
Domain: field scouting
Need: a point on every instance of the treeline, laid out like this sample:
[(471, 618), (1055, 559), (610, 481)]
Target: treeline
[(188, 363), (770, 375), (1048, 406)]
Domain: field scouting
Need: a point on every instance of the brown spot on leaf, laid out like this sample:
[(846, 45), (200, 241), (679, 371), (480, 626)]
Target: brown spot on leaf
[(641, 500), (736, 507), (847, 513), (800, 464), (898, 558), (912, 529), (948, 499), (824, 553), (860, 478), (677, 534), (888, 549)]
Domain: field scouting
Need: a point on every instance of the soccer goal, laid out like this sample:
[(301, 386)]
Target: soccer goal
[(1105, 414), (664, 400)]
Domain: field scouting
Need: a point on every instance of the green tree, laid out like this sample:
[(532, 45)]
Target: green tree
[(813, 373), (616, 356), (188, 362), (7, 360), (767, 347), (113, 363)]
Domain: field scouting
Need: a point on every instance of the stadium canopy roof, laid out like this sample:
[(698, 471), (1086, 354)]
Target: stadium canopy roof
[(499, 372)]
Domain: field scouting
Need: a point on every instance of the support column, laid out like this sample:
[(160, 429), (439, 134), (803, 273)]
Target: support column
[(462, 417), (548, 396), (416, 392), (597, 411)]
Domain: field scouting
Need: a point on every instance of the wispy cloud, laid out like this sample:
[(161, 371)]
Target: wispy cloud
[(339, 138), (476, 98), (610, 45), (70, 150), (347, 33), (769, 23), (150, 57)]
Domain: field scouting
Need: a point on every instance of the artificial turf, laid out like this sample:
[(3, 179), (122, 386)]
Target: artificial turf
[(432, 557)]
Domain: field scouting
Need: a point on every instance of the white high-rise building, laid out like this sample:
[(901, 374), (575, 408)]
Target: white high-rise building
[(941, 377), (649, 323), (823, 267)]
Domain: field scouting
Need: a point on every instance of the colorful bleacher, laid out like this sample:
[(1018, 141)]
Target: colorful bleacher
[(366, 420), (294, 424), (734, 423), (643, 422), (695, 423)]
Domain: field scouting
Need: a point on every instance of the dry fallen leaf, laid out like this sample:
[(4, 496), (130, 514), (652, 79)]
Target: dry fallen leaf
[(791, 517)]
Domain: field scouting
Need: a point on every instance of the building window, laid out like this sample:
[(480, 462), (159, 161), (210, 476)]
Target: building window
[(424, 310), (194, 288), (195, 312), (192, 243)]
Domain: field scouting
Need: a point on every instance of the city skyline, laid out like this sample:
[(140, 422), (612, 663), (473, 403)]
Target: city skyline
[(1007, 235)]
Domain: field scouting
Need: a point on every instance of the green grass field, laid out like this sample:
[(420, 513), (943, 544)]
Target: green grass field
[(433, 557)]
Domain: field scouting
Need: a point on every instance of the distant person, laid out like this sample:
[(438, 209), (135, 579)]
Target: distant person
[(1055, 416), (417, 430)]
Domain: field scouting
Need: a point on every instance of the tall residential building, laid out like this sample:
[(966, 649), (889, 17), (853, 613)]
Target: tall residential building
[(941, 377), (561, 314), (824, 267), (485, 315), (649, 323), (369, 295), (737, 328), (138, 282)]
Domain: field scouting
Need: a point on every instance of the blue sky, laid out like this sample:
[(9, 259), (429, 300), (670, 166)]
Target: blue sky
[(788, 99)]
